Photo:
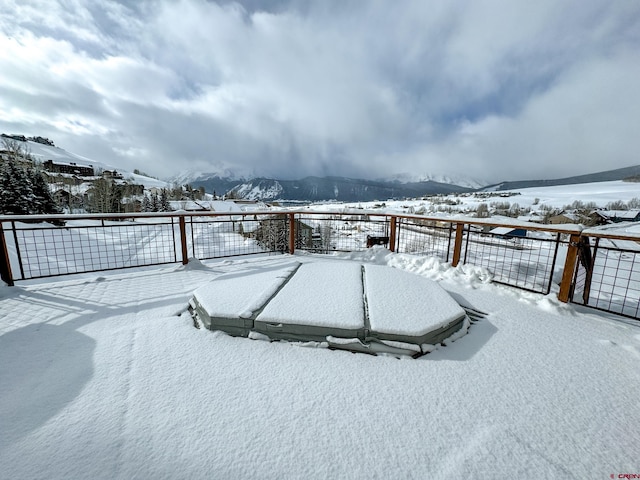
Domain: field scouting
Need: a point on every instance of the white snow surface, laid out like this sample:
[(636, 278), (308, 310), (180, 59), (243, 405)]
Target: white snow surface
[(105, 377), (322, 294), (405, 304), (600, 193), (241, 294)]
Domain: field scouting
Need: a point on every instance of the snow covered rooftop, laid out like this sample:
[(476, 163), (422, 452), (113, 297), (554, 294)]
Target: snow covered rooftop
[(103, 376)]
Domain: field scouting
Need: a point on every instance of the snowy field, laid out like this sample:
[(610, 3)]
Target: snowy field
[(535, 198), (104, 376)]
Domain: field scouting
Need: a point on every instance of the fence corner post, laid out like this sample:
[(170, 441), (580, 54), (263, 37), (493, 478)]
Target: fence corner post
[(5, 265), (457, 246), (292, 233), (569, 268), (392, 233), (183, 240)]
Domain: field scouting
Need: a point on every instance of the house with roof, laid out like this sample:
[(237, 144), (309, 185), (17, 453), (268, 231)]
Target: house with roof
[(569, 217), (602, 217), (112, 175), (534, 217), (70, 168)]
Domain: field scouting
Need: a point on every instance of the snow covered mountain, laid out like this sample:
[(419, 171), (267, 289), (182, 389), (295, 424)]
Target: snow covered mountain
[(336, 188), (458, 180), (217, 172), (259, 189), (225, 179)]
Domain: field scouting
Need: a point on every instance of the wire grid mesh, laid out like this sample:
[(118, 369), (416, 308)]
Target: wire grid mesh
[(615, 279), (48, 250), (340, 232), (519, 261), (236, 235), (425, 237)]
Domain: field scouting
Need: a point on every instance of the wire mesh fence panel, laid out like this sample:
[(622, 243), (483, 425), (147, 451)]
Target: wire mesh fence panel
[(425, 237), (615, 279), (236, 235), (514, 258), (45, 250), (607, 276), (340, 232)]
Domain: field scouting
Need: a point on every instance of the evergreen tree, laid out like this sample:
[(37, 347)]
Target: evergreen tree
[(23, 189), (16, 193), (164, 201), (146, 204), (43, 200)]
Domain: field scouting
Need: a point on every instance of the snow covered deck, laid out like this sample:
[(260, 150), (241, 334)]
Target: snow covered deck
[(103, 376), (345, 305)]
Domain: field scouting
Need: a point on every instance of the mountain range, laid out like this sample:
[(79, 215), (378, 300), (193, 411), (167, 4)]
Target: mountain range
[(339, 189), (343, 189)]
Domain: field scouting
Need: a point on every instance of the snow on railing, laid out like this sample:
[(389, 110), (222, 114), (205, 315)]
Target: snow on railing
[(593, 267)]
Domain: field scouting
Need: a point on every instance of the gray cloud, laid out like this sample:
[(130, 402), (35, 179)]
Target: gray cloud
[(491, 89)]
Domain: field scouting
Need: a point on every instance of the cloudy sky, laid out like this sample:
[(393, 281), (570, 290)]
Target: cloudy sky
[(496, 90)]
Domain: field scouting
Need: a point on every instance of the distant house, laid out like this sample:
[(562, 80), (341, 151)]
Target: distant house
[(531, 217), (601, 217), (112, 174), (69, 200), (568, 217), (508, 232), (70, 168)]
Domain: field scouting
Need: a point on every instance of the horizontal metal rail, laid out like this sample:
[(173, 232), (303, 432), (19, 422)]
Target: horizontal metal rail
[(523, 255)]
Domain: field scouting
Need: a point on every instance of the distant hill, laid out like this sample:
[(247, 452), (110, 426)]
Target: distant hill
[(44, 150), (605, 176)]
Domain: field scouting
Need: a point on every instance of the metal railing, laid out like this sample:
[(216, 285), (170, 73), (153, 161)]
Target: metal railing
[(433, 238), (607, 273), (45, 250), (522, 261), (599, 270)]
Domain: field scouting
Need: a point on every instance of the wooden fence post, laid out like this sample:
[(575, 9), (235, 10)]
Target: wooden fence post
[(5, 265), (292, 233), (457, 246), (183, 240), (392, 234), (569, 268)]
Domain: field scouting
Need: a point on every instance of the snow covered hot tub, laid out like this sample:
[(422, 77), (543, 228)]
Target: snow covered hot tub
[(341, 304)]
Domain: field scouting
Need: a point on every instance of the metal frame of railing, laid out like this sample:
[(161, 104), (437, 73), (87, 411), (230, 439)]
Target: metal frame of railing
[(44, 246), (607, 273)]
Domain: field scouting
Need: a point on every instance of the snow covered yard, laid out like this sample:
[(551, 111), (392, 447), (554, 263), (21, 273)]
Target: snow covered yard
[(105, 377)]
